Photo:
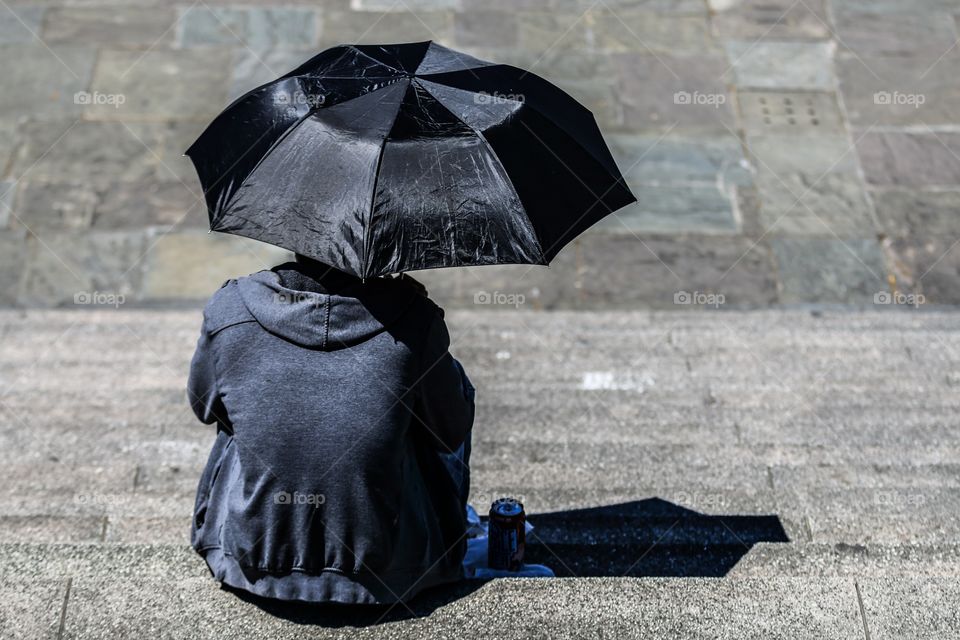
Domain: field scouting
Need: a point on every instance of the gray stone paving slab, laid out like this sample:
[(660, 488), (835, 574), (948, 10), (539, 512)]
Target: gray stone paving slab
[(911, 609), (8, 194), (829, 270), (415, 6), (627, 60), (254, 68), (191, 264), (676, 160), (893, 8), (485, 29), (819, 153), (748, 211), (257, 28), (656, 268), (782, 65), (799, 204), (8, 142), (899, 90), (501, 287), (591, 78), (661, 93), (908, 212), (54, 205), (930, 265), (910, 159), (104, 269), (542, 31), (31, 609), (149, 203), (145, 26), (667, 209), (21, 24), (790, 112), (664, 6), (889, 34), (161, 83), (45, 81), (629, 29), (341, 25), (176, 137), (12, 253), (92, 152), (777, 20)]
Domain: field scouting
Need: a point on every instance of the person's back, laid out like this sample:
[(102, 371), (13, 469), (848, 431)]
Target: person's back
[(338, 408)]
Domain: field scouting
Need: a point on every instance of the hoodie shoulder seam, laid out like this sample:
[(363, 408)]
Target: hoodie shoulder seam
[(220, 328), (225, 310)]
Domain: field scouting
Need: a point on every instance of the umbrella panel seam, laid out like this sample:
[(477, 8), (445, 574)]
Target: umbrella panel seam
[(493, 155)]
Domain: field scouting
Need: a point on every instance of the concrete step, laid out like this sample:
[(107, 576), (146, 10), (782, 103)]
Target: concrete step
[(752, 474), (110, 591)]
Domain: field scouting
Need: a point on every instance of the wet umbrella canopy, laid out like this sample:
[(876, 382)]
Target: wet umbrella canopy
[(379, 159)]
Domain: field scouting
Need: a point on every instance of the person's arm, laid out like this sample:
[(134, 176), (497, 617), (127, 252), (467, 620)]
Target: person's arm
[(202, 390), (446, 401)]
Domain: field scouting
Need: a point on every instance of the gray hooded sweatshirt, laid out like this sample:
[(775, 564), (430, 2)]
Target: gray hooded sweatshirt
[(333, 409)]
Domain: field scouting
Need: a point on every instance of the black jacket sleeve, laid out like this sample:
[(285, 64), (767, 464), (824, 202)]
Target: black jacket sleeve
[(445, 404)]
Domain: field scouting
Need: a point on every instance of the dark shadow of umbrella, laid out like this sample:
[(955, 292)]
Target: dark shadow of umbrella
[(651, 537)]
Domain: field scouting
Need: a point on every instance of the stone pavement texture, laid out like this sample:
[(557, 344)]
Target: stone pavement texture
[(784, 152), (761, 474)]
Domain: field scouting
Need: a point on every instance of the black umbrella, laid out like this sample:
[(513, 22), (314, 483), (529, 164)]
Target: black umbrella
[(380, 159)]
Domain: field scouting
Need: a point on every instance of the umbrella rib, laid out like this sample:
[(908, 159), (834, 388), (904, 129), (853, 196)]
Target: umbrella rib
[(602, 161), (493, 155), (565, 130), (276, 143), (379, 62), (506, 174), (274, 146), (373, 201)]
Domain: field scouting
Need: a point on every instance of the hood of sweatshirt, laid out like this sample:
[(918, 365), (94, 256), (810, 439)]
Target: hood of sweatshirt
[(321, 320)]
